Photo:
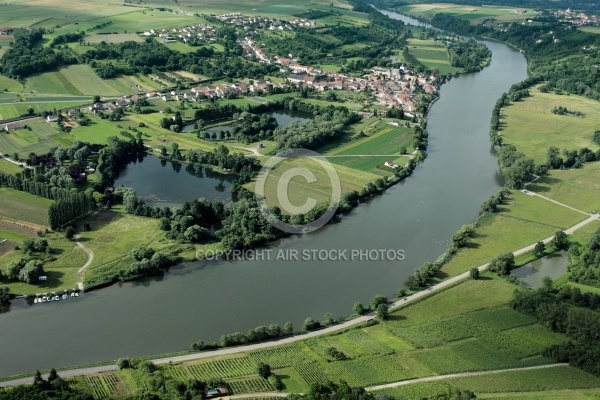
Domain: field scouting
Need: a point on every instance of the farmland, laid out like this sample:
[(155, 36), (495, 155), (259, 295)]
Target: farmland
[(431, 54), (23, 207), (74, 80), (8, 167), (40, 139)]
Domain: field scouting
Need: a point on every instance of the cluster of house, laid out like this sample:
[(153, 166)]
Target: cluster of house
[(202, 92), (577, 18), (393, 87), (255, 23), (185, 34), (5, 30)]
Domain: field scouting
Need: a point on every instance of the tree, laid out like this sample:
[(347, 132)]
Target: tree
[(264, 370), (560, 241), (358, 308), (31, 272), (69, 233), (4, 295), (539, 249), (197, 346), (328, 319), (124, 363), (310, 324), (288, 329), (96, 99), (502, 264), (30, 111), (37, 379), (382, 311), (53, 375), (377, 300), (474, 273)]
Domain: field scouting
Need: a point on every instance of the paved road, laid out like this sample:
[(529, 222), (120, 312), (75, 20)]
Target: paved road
[(348, 324)]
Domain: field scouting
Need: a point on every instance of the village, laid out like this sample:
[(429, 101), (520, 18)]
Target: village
[(207, 32), (577, 18)]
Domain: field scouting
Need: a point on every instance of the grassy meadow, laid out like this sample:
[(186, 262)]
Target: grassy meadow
[(490, 15), (523, 221), (531, 126), (578, 188)]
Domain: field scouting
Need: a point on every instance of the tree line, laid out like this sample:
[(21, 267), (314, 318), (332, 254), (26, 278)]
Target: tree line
[(568, 311)]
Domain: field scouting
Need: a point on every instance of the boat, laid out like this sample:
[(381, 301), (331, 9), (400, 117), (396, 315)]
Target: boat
[(35, 300)]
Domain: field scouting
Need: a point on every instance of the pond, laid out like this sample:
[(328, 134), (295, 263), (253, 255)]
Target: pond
[(553, 265), (283, 117), (165, 184)]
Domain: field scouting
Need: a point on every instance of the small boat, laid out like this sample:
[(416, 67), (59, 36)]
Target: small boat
[(35, 300), (43, 299), (56, 298), (76, 294)]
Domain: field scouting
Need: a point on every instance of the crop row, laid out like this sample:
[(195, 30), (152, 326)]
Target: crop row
[(97, 387), (280, 357), (249, 385), (368, 343), (310, 373), (367, 370), (225, 368)]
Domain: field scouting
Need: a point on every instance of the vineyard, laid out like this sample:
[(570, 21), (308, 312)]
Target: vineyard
[(105, 385)]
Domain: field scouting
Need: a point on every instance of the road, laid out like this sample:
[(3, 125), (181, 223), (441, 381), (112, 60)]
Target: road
[(258, 346)]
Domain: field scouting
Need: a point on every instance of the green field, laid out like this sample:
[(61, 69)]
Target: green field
[(75, 80), (535, 384), (592, 29), (431, 54), (10, 84), (9, 168), (40, 139), (579, 188), (114, 38), (21, 206), (525, 220), (531, 126)]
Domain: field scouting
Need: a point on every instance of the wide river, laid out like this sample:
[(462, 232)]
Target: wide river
[(204, 300)]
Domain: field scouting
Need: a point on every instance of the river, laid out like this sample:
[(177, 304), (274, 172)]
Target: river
[(204, 300)]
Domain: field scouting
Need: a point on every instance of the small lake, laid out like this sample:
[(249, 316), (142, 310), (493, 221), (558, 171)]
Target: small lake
[(553, 265), (165, 184), (283, 118)]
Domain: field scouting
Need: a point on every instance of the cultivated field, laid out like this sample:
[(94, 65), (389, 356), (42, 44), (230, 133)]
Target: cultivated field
[(511, 385), (40, 139), (9, 168), (431, 54), (531, 126), (114, 38), (9, 84), (24, 207), (75, 80)]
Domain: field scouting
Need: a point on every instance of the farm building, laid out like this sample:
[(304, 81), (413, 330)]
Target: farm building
[(13, 126), (5, 30), (216, 392), (52, 118), (391, 164)]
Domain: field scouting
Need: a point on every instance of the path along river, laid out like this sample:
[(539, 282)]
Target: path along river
[(204, 300)]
